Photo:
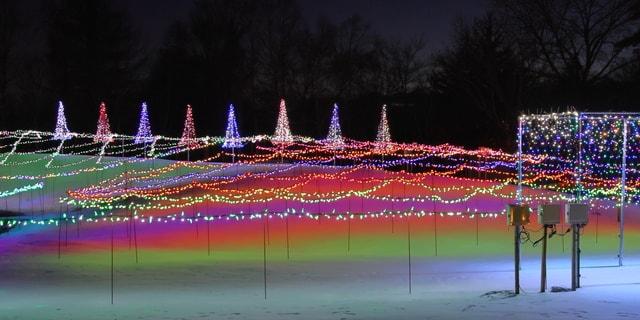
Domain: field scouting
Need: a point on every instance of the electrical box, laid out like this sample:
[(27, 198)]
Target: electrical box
[(517, 215), (549, 214), (576, 213)]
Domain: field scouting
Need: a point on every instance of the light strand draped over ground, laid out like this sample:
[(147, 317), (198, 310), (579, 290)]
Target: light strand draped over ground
[(129, 178)]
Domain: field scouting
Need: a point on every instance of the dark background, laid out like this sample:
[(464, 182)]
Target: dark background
[(450, 71)]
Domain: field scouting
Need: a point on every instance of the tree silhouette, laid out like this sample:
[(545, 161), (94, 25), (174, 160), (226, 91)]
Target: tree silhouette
[(575, 40), (485, 78), (523, 55), (8, 31), (92, 55)]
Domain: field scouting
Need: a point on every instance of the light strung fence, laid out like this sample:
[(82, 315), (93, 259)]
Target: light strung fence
[(586, 155)]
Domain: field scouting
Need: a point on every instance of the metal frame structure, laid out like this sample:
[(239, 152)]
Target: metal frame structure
[(625, 117)]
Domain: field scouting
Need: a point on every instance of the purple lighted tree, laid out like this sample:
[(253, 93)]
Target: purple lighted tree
[(232, 137), (144, 127)]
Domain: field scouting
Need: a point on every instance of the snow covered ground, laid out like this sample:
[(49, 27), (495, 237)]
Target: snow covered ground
[(176, 279), (442, 288)]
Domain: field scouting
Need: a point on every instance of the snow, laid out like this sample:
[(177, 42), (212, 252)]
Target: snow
[(360, 288), (176, 279)]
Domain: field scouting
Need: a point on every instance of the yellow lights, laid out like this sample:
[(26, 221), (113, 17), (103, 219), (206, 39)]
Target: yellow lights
[(517, 215)]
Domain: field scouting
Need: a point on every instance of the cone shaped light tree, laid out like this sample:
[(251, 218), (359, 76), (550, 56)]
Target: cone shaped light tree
[(144, 127), (283, 133), (383, 138), (62, 131), (334, 137), (188, 138), (231, 136), (103, 133)]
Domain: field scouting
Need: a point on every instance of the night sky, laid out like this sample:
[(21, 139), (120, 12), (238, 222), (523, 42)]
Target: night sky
[(405, 19)]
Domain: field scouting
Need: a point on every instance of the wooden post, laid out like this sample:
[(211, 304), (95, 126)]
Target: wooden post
[(574, 238), (543, 262), (578, 258)]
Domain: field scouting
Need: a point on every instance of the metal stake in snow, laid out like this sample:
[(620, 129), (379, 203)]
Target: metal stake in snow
[(409, 248), (286, 221), (623, 191), (264, 252), (112, 277), (209, 236)]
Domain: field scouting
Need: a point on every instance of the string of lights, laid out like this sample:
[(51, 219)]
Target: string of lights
[(566, 157)]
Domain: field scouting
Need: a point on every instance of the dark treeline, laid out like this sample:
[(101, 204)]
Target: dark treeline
[(521, 56)]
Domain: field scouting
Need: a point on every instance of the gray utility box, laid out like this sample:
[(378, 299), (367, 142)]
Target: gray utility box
[(549, 214), (576, 213)]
